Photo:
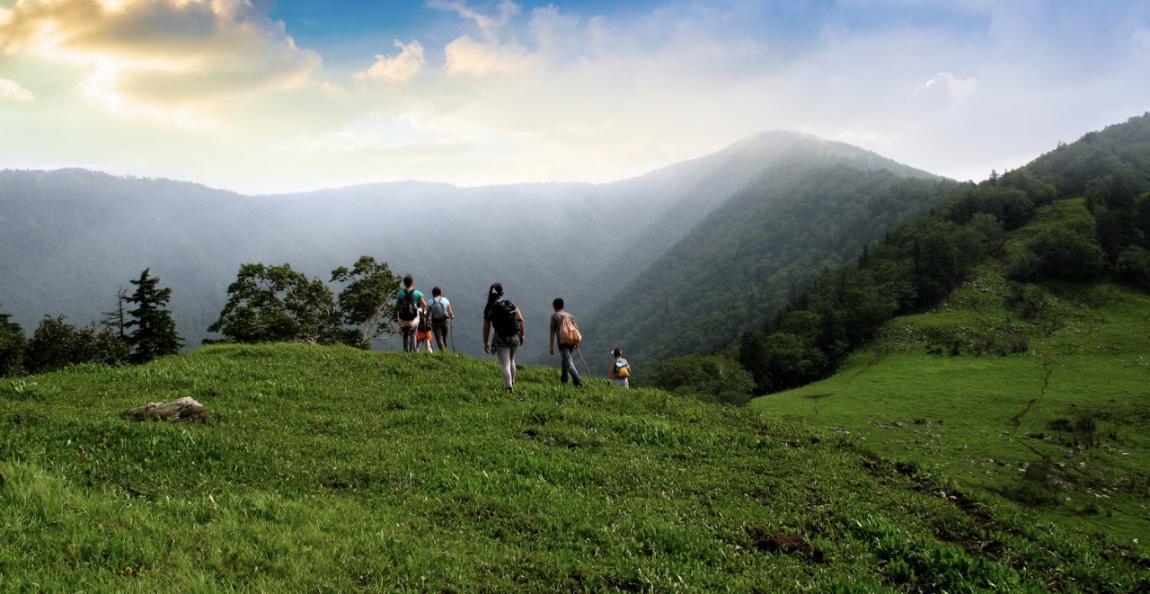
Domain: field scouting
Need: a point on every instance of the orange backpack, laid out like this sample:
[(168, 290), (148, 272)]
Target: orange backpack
[(569, 335)]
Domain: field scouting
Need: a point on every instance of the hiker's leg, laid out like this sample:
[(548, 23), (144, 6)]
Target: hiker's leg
[(564, 354), (439, 329), (506, 365), (568, 362), (511, 352), (406, 333)]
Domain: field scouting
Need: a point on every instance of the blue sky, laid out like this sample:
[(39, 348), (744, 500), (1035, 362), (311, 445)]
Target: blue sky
[(272, 95)]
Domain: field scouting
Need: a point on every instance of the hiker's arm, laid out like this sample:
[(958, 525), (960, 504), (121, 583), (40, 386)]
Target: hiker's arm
[(486, 336), (522, 326), (450, 311), (423, 303)]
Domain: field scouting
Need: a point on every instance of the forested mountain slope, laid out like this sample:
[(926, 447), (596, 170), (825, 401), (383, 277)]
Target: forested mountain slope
[(747, 257)]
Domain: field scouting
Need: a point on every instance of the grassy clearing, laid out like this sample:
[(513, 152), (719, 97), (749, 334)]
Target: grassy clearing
[(1061, 427), (330, 469)]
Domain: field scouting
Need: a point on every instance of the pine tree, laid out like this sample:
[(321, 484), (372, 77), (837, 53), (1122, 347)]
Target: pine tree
[(117, 318), (12, 346), (155, 330)]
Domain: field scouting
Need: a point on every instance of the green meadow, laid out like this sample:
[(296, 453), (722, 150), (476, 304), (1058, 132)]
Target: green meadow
[(332, 469), (1060, 428)]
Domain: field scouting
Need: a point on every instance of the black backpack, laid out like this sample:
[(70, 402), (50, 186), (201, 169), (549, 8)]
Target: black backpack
[(406, 307), (503, 318)]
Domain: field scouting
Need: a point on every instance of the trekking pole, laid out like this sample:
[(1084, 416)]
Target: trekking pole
[(588, 367), (451, 333)]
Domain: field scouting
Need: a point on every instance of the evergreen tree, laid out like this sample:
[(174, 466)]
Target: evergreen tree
[(116, 319), (155, 330), (12, 345)]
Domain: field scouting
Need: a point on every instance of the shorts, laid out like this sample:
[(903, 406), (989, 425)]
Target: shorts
[(423, 335)]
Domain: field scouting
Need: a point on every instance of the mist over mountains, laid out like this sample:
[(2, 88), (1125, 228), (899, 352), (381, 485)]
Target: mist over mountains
[(71, 238)]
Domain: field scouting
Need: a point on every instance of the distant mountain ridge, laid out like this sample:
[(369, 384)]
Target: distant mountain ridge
[(71, 237)]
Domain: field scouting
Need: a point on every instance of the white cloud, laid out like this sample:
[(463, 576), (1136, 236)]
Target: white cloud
[(398, 68), (11, 90), (157, 53), (950, 85), (467, 57)]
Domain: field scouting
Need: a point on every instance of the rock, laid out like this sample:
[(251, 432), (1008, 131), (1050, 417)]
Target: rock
[(183, 409)]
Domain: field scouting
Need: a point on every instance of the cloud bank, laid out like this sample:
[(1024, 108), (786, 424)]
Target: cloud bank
[(498, 92)]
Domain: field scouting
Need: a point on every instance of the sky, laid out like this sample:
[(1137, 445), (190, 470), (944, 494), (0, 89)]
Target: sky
[(263, 96)]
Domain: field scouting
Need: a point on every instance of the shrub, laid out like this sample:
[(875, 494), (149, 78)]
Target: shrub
[(714, 378)]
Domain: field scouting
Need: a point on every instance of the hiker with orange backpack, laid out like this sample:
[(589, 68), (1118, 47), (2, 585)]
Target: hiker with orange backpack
[(620, 372), (563, 327)]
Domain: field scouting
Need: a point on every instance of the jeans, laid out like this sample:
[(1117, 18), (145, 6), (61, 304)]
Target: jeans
[(567, 364)]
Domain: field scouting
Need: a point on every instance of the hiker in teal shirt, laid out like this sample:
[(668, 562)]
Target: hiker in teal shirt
[(408, 303)]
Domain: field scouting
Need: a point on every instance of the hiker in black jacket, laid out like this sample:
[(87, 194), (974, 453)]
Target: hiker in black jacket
[(506, 320)]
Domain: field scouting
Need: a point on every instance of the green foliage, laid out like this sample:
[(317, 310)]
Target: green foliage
[(367, 301), (335, 469), (12, 345), (155, 330), (1057, 253), (780, 360), (277, 304), (57, 344), (715, 378)]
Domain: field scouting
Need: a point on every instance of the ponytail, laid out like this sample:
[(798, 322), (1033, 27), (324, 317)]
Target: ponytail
[(494, 293)]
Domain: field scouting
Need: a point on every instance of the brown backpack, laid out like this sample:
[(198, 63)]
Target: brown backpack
[(569, 335)]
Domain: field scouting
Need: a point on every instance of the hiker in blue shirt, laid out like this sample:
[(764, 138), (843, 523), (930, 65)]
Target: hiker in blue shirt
[(441, 314), (408, 303)]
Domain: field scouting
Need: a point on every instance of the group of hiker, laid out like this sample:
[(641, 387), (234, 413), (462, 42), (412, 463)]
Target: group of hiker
[(504, 332)]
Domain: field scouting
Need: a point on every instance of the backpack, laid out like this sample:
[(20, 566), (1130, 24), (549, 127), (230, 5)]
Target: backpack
[(503, 318), (569, 335), (406, 307), (424, 324), (622, 368), (438, 311)]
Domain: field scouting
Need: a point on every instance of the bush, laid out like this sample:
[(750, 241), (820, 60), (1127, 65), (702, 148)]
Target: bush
[(714, 378), (1057, 253), (57, 344)]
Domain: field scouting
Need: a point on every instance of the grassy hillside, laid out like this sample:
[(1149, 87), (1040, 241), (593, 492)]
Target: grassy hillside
[(331, 469), (1041, 397)]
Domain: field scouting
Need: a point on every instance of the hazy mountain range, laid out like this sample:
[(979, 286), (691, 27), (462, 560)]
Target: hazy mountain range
[(70, 238)]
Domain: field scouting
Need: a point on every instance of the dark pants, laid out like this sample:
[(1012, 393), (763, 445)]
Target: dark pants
[(440, 330), (567, 364)]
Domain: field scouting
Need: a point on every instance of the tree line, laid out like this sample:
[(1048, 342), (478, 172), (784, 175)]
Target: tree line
[(264, 304), (139, 329)]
